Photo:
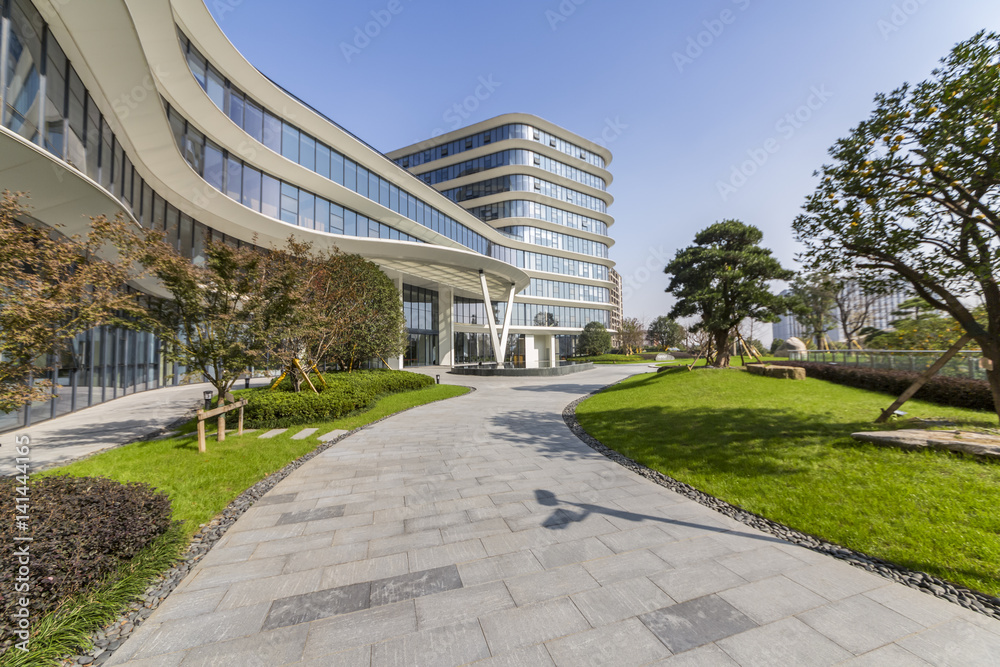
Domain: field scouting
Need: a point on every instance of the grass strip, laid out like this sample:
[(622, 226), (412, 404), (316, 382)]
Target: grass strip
[(67, 629), (782, 449)]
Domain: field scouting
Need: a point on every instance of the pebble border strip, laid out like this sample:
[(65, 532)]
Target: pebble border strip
[(110, 638), (926, 583)]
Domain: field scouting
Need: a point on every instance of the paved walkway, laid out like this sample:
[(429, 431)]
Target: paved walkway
[(481, 529), (116, 422)]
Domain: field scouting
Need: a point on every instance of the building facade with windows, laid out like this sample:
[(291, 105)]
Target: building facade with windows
[(144, 107), (544, 189), (874, 312)]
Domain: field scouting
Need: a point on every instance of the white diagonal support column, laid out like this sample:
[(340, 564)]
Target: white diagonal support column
[(491, 321), (506, 320)]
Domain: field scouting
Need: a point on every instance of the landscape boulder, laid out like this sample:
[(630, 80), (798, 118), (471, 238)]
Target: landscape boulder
[(781, 372)]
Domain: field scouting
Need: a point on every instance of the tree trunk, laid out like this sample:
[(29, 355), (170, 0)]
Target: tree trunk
[(992, 352), (722, 349)]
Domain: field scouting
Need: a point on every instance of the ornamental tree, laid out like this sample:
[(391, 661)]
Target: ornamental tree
[(54, 288), (912, 195), (631, 334), (593, 340), (813, 297), (724, 278), (666, 333)]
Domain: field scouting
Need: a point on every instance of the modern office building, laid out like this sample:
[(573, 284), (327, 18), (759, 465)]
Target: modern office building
[(144, 106), (879, 315), (545, 190)]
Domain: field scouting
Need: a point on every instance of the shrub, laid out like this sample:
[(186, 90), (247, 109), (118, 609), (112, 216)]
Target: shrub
[(943, 390), (345, 393), (82, 529)]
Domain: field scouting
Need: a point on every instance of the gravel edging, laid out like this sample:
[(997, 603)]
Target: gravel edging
[(973, 600), (107, 640)]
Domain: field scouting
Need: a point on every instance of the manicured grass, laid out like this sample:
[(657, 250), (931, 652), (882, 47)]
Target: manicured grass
[(614, 359), (202, 485), (783, 449)]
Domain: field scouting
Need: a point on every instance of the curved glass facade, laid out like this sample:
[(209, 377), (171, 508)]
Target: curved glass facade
[(525, 183), (493, 135), (519, 208), (554, 289), (544, 237), (472, 311), (513, 157)]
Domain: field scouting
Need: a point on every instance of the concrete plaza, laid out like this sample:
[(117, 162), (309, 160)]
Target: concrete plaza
[(481, 530)]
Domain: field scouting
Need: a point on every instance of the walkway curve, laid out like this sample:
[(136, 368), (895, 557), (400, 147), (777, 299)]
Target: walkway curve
[(481, 530)]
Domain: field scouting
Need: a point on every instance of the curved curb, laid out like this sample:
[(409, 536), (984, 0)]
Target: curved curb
[(106, 641), (973, 600)]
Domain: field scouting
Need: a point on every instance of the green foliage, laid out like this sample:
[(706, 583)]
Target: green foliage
[(665, 332), (593, 340), (813, 297), (913, 193), (783, 450), (941, 389), (724, 278), (345, 393), (82, 530), (776, 343), (926, 333)]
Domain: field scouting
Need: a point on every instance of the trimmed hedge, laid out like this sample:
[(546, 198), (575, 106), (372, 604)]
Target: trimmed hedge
[(943, 390), (345, 393), (82, 529)]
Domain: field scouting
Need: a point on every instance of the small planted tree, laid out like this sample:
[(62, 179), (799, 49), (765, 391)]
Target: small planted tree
[(666, 333), (913, 193), (53, 288), (724, 278), (631, 334), (813, 297), (593, 340)]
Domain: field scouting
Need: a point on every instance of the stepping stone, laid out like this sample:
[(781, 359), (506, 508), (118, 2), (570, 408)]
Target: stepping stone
[(273, 432), (167, 435), (304, 433), (332, 435)]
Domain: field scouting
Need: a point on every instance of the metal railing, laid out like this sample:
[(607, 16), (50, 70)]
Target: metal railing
[(966, 363)]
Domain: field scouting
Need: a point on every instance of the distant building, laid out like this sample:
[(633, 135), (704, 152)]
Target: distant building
[(879, 317), (617, 313)]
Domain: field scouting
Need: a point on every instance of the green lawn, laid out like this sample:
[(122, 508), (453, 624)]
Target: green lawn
[(783, 449), (202, 485)]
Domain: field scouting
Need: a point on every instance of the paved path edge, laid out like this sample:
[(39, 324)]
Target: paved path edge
[(203, 541), (968, 598)]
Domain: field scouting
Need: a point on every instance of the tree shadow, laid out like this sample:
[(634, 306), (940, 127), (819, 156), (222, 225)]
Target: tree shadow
[(561, 517)]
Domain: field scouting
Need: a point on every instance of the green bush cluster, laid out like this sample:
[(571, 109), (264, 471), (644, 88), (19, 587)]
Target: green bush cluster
[(82, 529), (940, 389), (345, 393)]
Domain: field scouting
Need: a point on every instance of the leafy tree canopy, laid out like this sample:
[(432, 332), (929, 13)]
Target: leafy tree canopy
[(665, 332), (724, 278), (593, 340)]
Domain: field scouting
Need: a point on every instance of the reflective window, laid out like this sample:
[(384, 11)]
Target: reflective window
[(272, 133), (271, 197), (290, 142), (214, 168), (251, 188), (55, 103), (253, 120)]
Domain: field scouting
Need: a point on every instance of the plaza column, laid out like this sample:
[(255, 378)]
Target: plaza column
[(491, 321), (396, 363), (446, 326)]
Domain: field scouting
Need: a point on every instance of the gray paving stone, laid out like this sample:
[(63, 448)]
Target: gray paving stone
[(266, 649), (462, 604), (273, 432), (695, 581), (169, 660), (355, 657), (535, 656), (337, 634), (304, 433), (920, 607), (420, 523), (224, 575), (193, 603), (785, 642), (414, 585), (644, 537), (772, 599), (268, 589), (446, 554), (275, 499), (186, 633), (887, 656), (513, 628), (697, 622), (383, 546), (455, 644), (325, 557), (307, 607), (549, 584), (620, 645), (557, 555), (708, 655), (499, 567), (860, 624), (364, 570), (291, 546), (619, 600), (836, 580), (318, 514), (332, 435), (625, 566), (474, 530), (692, 551), (761, 563)]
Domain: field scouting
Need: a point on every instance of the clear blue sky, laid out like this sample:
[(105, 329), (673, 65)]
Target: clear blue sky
[(682, 123)]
